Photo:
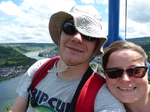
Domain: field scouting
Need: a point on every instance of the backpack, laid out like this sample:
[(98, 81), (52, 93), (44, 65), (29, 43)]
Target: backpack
[(85, 95)]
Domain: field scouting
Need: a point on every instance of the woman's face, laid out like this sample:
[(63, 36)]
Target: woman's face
[(125, 88)]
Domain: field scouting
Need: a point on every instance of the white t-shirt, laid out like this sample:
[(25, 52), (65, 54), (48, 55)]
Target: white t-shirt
[(54, 94)]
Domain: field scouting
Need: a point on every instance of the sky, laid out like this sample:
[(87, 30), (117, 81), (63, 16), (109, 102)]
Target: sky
[(27, 20)]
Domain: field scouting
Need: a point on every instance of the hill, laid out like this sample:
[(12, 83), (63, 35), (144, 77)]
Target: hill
[(138, 39), (144, 42), (27, 47), (10, 57)]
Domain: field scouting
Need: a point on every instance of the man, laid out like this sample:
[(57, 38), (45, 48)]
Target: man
[(78, 34)]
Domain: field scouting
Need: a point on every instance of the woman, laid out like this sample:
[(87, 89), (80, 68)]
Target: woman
[(126, 71)]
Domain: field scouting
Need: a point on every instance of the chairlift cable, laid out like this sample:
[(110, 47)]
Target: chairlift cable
[(125, 19)]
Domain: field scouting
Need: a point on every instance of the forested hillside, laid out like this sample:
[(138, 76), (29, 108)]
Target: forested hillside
[(27, 47), (139, 39), (146, 46), (10, 57)]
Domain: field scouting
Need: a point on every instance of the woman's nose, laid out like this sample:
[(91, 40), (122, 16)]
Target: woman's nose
[(125, 76)]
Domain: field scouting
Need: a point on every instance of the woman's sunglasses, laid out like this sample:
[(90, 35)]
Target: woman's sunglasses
[(69, 29), (135, 72)]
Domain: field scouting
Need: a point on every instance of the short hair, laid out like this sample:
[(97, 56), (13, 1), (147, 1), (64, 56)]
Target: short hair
[(118, 45)]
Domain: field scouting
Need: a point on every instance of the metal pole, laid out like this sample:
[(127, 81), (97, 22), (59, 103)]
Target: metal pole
[(113, 22)]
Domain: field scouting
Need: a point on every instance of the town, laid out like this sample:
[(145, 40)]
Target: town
[(10, 72), (6, 72)]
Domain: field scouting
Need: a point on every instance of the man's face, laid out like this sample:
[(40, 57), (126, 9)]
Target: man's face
[(75, 49)]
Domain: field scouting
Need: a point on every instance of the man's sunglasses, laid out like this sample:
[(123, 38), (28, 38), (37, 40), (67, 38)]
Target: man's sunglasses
[(135, 72), (69, 29)]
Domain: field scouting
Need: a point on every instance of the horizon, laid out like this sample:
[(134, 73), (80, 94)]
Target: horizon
[(27, 20), (55, 44)]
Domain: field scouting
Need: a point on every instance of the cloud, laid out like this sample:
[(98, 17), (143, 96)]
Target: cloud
[(138, 22), (87, 1), (28, 22), (139, 11), (10, 9)]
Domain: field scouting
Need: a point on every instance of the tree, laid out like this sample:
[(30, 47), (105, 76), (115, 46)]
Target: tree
[(7, 108)]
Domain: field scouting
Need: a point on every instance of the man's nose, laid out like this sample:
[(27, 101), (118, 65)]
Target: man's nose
[(77, 37)]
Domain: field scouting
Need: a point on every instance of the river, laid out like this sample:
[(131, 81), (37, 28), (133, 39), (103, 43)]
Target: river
[(8, 93)]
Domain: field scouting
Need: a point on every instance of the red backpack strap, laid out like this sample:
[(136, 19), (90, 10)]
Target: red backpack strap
[(85, 102), (42, 71)]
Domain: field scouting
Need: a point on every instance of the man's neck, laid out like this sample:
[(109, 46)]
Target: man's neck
[(74, 72)]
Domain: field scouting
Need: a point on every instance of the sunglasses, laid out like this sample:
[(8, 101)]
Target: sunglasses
[(135, 72), (69, 29)]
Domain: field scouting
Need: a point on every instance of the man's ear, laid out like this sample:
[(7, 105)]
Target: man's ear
[(104, 73), (59, 40), (97, 44)]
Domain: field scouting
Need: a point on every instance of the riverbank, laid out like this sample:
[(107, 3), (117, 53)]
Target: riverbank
[(8, 93), (7, 73), (10, 77), (8, 87)]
